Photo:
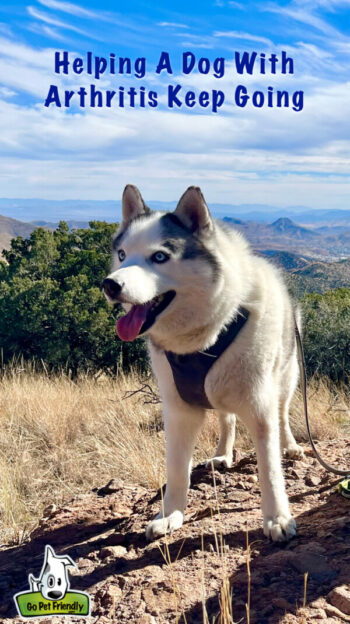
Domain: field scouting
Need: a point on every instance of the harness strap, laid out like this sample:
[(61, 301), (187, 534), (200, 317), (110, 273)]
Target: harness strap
[(302, 368), (190, 370)]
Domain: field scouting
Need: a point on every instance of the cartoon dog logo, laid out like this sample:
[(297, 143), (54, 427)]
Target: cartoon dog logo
[(50, 593), (53, 582)]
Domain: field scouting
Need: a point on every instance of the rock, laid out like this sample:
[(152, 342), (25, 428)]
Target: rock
[(341, 522), (106, 598), (84, 563), (314, 547), (154, 573), (318, 604), (313, 563), (252, 478), (241, 485), (312, 480), (237, 495), (331, 610), (146, 619), (49, 510), (150, 600), (281, 603), (318, 614), (295, 474), (115, 539), (307, 614), (340, 598), (112, 551)]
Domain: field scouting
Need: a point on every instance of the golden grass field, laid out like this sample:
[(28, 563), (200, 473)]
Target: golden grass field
[(61, 437)]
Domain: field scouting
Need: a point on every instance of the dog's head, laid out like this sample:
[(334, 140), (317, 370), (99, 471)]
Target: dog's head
[(54, 581), (165, 269)]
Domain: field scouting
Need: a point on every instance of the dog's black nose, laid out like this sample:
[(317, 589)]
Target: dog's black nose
[(111, 288), (54, 594)]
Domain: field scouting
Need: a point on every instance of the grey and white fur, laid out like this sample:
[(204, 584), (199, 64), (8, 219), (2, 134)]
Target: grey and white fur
[(213, 272)]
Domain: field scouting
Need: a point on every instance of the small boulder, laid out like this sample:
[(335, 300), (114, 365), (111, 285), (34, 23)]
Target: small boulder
[(340, 598)]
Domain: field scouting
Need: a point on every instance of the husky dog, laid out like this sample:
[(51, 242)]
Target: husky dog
[(190, 284)]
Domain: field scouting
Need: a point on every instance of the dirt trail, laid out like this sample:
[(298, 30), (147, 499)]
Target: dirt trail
[(129, 580)]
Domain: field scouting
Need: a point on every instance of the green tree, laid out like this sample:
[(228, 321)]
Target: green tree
[(51, 304), (326, 320)]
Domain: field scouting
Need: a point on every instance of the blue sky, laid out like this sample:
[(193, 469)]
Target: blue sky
[(239, 155)]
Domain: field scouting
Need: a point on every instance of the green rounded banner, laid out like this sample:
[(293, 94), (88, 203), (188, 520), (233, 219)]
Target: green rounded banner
[(33, 604)]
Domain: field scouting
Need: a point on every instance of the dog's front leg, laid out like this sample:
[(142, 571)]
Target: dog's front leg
[(182, 424)]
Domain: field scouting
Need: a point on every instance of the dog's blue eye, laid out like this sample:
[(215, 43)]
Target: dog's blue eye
[(121, 255), (159, 257)]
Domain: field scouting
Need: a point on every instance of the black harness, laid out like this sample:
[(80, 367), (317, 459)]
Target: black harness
[(190, 370)]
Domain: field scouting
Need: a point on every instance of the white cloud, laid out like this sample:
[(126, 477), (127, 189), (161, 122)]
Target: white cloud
[(165, 177), (5, 92), (329, 5), (44, 17), (268, 147), (236, 5), (25, 54), (69, 7), (47, 31), (195, 44), (172, 25), (235, 34), (264, 155), (305, 17)]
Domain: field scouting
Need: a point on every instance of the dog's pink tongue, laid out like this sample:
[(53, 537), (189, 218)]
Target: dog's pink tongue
[(128, 326)]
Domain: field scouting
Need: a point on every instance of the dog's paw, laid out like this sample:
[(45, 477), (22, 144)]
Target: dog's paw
[(162, 525), (220, 461), (294, 452), (280, 528)]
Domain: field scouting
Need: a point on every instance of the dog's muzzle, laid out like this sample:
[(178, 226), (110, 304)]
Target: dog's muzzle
[(111, 288), (55, 594)]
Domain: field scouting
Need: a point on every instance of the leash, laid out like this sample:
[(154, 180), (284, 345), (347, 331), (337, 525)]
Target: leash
[(344, 486)]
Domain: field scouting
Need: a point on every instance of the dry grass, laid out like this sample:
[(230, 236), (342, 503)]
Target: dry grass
[(60, 438)]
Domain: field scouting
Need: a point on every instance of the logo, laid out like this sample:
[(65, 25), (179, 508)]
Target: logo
[(50, 593)]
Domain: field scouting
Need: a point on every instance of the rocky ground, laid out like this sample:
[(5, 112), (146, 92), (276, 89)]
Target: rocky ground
[(185, 577)]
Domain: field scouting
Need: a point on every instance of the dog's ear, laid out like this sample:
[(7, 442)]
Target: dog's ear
[(50, 555), (132, 204), (193, 211)]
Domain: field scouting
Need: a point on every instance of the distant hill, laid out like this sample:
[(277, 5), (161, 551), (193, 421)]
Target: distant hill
[(233, 220), (78, 225), (283, 234), (10, 228), (304, 275), (322, 276), (287, 227), (286, 259)]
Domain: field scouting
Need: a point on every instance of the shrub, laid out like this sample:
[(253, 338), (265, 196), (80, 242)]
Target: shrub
[(51, 305), (327, 333)]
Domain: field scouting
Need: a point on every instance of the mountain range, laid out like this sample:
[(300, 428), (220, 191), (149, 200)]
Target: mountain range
[(283, 234), (315, 259), (110, 210)]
